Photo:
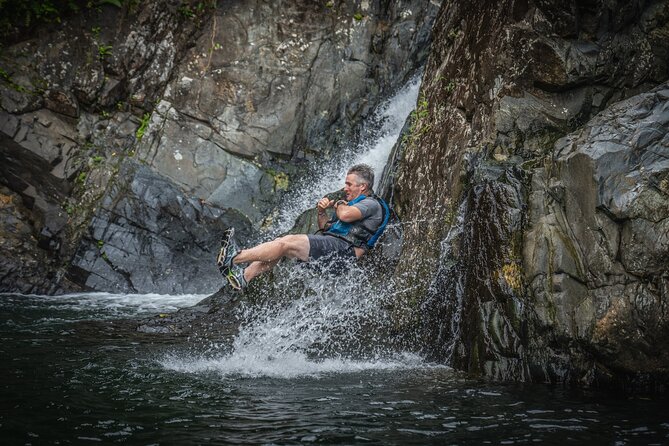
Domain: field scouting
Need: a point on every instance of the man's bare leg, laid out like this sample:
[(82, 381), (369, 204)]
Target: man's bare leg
[(257, 268), (293, 246)]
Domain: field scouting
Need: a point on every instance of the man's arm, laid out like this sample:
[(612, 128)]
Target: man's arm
[(347, 213), (322, 205)]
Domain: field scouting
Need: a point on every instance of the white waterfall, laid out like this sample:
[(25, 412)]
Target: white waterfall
[(318, 322), (373, 150)]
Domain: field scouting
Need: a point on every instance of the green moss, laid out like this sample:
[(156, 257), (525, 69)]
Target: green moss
[(143, 125), (7, 78), (512, 274), (449, 87), (419, 126), (454, 33), (20, 15), (81, 178), (358, 16), (186, 11), (281, 179)]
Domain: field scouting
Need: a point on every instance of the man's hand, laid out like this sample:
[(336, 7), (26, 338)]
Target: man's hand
[(323, 204)]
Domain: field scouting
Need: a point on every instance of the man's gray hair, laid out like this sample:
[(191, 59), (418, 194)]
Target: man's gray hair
[(365, 173)]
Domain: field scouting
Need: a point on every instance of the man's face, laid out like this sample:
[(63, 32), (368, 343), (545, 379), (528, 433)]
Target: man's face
[(352, 187)]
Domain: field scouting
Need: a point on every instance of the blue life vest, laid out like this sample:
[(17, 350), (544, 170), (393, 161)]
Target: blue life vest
[(355, 232)]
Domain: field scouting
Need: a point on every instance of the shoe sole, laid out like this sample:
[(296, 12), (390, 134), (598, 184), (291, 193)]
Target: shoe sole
[(225, 243), (232, 280)]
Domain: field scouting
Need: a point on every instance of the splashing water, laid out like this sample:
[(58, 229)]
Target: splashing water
[(316, 323), (378, 141)]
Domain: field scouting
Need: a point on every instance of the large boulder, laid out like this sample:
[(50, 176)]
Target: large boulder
[(147, 236)]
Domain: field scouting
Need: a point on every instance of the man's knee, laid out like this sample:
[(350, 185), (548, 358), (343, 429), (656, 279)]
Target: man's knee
[(294, 245)]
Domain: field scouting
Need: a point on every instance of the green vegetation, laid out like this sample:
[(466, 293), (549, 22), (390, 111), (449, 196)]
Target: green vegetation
[(329, 4), (281, 179), (97, 160), (186, 11), (68, 207), (358, 16), (143, 125), (454, 34), (81, 178), (421, 110), (418, 127), (30, 12), (190, 10), (104, 51), (449, 87), (5, 76), (19, 15)]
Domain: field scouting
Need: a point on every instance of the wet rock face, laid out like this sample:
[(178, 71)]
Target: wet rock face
[(145, 216), (272, 82), (534, 89), (596, 249), (30, 217), (213, 100)]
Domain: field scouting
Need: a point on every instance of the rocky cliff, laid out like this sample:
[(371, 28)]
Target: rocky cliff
[(532, 179), (159, 123), (533, 184)]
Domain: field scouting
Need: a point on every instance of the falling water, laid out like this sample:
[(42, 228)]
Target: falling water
[(377, 141), (318, 323)]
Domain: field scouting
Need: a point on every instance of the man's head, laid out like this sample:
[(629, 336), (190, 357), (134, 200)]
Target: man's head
[(359, 180)]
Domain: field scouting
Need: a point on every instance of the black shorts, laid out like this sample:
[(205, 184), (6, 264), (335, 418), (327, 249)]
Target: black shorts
[(321, 245)]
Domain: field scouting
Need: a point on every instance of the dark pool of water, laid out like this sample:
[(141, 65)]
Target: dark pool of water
[(64, 382)]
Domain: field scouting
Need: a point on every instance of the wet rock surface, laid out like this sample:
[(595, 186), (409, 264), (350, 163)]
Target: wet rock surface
[(530, 184), (223, 106), (596, 247), (33, 221), (148, 236), (217, 316), (268, 83)]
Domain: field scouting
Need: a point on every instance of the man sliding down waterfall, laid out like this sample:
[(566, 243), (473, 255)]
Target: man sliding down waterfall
[(357, 223)]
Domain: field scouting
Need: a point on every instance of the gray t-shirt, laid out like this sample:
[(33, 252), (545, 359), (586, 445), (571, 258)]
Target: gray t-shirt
[(372, 213)]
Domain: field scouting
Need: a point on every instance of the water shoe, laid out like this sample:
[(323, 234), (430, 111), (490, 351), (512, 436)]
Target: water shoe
[(228, 251)]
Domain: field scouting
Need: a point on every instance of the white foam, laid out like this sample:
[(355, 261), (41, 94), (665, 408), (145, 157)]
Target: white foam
[(288, 365), (315, 324), (111, 304)]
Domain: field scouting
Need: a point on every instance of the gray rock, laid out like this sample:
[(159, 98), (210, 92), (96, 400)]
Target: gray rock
[(568, 98), (148, 236), (232, 94)]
